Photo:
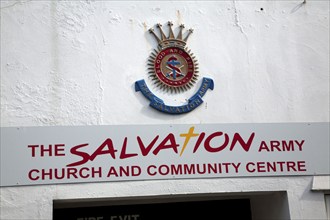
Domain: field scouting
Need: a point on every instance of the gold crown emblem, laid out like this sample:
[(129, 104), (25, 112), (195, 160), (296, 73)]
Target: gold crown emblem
[(171, 40)]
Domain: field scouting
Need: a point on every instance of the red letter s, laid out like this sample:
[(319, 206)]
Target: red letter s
[(85, 156)]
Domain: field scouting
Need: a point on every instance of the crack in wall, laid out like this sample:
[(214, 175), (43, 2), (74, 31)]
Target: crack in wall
[(237, 21), (16, 3), (237, 24), (100, 89)]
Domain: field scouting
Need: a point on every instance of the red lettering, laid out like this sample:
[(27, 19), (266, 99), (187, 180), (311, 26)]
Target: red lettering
[(288, 146), (226, 165), (41, 150), (99, 151), (250, 170), (145, 150), (124, 171), (98, 171), (72, 172), (44, 150), (199, 141), (164, 145), (261, 167), (44, 174), (275, 144), (281, 163), (112, 171), (33, 148), (301, 166), (31, 172), (237, 138), (83, 155), (221, 147), (164, 170), (300, 144), (291, 165), (151, 173), (123, 154), (136, 170), (59, 148), (81, 174), (263, 146)]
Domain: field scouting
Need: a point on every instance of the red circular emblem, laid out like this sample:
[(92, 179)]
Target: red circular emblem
[(174, 68)]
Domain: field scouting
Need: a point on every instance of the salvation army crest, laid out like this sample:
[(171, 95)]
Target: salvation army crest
[(173, 68)]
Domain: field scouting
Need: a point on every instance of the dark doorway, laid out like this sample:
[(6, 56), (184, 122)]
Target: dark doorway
[(199, 210)]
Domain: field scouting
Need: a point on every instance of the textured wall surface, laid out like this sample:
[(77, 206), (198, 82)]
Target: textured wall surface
[(75, 63)]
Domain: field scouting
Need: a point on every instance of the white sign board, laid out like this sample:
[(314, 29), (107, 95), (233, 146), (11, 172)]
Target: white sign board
[(53, 155)]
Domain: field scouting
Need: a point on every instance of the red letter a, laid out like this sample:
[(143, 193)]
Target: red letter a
[(107, 143), (163, 144)]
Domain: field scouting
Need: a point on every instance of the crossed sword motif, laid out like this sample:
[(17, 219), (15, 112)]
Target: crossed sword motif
[(173, 71)]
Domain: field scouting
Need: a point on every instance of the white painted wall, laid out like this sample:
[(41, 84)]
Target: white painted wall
[(75, 63)]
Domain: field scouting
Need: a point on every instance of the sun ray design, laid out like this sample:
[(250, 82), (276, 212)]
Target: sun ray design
[(172, 66)]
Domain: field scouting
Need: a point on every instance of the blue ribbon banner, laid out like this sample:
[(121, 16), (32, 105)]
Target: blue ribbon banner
[(159, 104)]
